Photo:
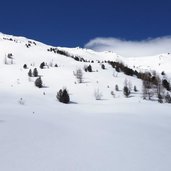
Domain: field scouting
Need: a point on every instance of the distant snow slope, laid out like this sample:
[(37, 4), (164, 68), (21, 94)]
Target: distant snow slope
[(159, 63), (115, 133)]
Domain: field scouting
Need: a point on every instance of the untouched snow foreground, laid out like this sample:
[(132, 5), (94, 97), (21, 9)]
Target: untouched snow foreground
[(41, 134)]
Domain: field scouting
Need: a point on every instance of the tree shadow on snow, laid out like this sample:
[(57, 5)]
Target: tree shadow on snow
[(45, 87), (102, 99), (2, 121), (71, 102), (86, 82), (130, 96)]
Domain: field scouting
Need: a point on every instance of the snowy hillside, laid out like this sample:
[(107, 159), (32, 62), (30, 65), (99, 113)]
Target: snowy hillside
[(159, 63), (39, 133)]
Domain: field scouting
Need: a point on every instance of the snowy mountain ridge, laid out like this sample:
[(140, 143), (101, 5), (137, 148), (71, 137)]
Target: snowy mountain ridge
[(159, 62)]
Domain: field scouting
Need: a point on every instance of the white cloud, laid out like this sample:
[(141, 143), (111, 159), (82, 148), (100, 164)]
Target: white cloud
[(132, 48)]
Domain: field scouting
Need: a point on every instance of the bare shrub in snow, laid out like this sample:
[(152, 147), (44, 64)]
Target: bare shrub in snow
[(167, 98), (30, 79), (21, 101), (85, 68), (147, 90), (115, 74), (5, 61), (116, 87), (8, 60), (79, 75), (129, 84), (97, 94), (51, 63)]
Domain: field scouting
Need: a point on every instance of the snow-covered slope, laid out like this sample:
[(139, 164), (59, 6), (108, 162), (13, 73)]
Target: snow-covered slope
[(39, 133), (17, 46), (158, 63)]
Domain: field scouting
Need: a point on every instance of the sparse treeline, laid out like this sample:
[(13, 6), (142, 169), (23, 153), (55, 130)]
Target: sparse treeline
[(153, 85)]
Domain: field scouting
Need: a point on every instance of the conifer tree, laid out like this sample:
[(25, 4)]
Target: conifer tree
[(30, 73), (63, 96), (38, 82), (35, 72)]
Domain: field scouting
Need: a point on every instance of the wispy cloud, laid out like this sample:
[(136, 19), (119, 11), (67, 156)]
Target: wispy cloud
[(129, 48)]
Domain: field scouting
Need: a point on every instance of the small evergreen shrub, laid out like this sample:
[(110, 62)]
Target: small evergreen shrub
[(103, 66), (89, 68), (30, 74), (35, 72), (116, 87), (126, 91), (42, 65), (63, 96), (38, 82), (135, 89), (166, 84), (25, 66)]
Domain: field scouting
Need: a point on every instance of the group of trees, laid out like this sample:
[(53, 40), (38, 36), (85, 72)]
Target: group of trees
[(62, 94), (33, 73), (67, 54), (153, 86), (38, 82), (120, 67), (88, 68), (30, 43), (44, 65)]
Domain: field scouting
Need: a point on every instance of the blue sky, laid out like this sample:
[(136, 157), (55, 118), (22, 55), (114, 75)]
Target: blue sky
[(74, 23)]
